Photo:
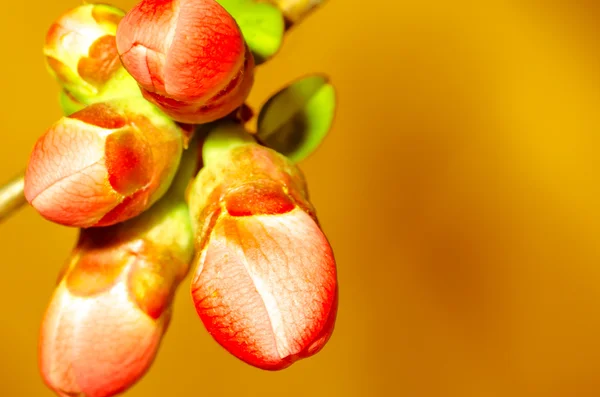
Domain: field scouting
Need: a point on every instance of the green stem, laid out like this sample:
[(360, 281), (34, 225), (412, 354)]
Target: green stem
[(12, 197), (121, 85), (224, 136)]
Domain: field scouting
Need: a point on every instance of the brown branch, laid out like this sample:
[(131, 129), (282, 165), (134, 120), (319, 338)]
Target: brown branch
[(12, 197), (295, 11)]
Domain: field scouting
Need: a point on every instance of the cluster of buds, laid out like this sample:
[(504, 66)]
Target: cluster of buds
[(154, 165)]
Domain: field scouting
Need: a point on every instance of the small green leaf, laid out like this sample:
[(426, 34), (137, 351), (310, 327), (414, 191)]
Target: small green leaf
[(296, 119), (68, 104), (262, 25)]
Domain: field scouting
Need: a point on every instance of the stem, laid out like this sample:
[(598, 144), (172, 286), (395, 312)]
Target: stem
[(12, 197), (223, 137), (295, 11)]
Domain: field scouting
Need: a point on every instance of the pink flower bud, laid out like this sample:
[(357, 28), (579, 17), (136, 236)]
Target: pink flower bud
[(265, 285), (96, 339), (188, 56), (112, 304), (80, 49), (104, 164)]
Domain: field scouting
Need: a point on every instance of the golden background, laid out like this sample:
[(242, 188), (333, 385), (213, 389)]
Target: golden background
[(459, 189)]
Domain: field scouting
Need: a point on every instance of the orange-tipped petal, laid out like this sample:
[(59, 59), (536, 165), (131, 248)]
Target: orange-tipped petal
[(188, 56), (265, 285), (102, 165)]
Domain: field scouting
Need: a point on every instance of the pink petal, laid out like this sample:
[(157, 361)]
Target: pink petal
[(97, 345), (265, 287)]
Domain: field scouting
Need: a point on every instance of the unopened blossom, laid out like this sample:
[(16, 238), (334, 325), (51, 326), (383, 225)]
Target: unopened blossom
[(112, 304), (188, 57), (265, 283), (80, 50), (104, 164)]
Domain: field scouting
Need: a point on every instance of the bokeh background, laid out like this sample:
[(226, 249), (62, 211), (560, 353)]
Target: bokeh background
[(459, 189)]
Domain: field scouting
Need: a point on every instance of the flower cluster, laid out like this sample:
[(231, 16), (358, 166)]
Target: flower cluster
[(153, 162)]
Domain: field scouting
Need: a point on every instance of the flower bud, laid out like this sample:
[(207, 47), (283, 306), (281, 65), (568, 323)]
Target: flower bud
[(188, 57), (265, 285), (104, 164), (112, 305), (80, 49)]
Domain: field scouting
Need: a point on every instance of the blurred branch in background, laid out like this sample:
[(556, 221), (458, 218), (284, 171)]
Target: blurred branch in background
[(11, 197)]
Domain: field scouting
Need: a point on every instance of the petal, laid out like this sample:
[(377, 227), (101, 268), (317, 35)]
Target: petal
[(96, 345), (206, 53), (262, 197), (66, 178), (265, 287)]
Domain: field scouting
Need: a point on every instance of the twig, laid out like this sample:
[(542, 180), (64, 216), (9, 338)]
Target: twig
[(12, 197), (296, 10)]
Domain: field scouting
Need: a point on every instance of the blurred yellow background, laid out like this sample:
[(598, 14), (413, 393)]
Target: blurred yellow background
[(459, 189)]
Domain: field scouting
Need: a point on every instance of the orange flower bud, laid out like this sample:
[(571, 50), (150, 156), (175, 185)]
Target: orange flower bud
[(265, 285), (104, 164), (188, 56), (112, 304), (80, 49)]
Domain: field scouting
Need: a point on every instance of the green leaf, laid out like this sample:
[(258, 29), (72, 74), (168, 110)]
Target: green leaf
[(262, 25), (295, 121)]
